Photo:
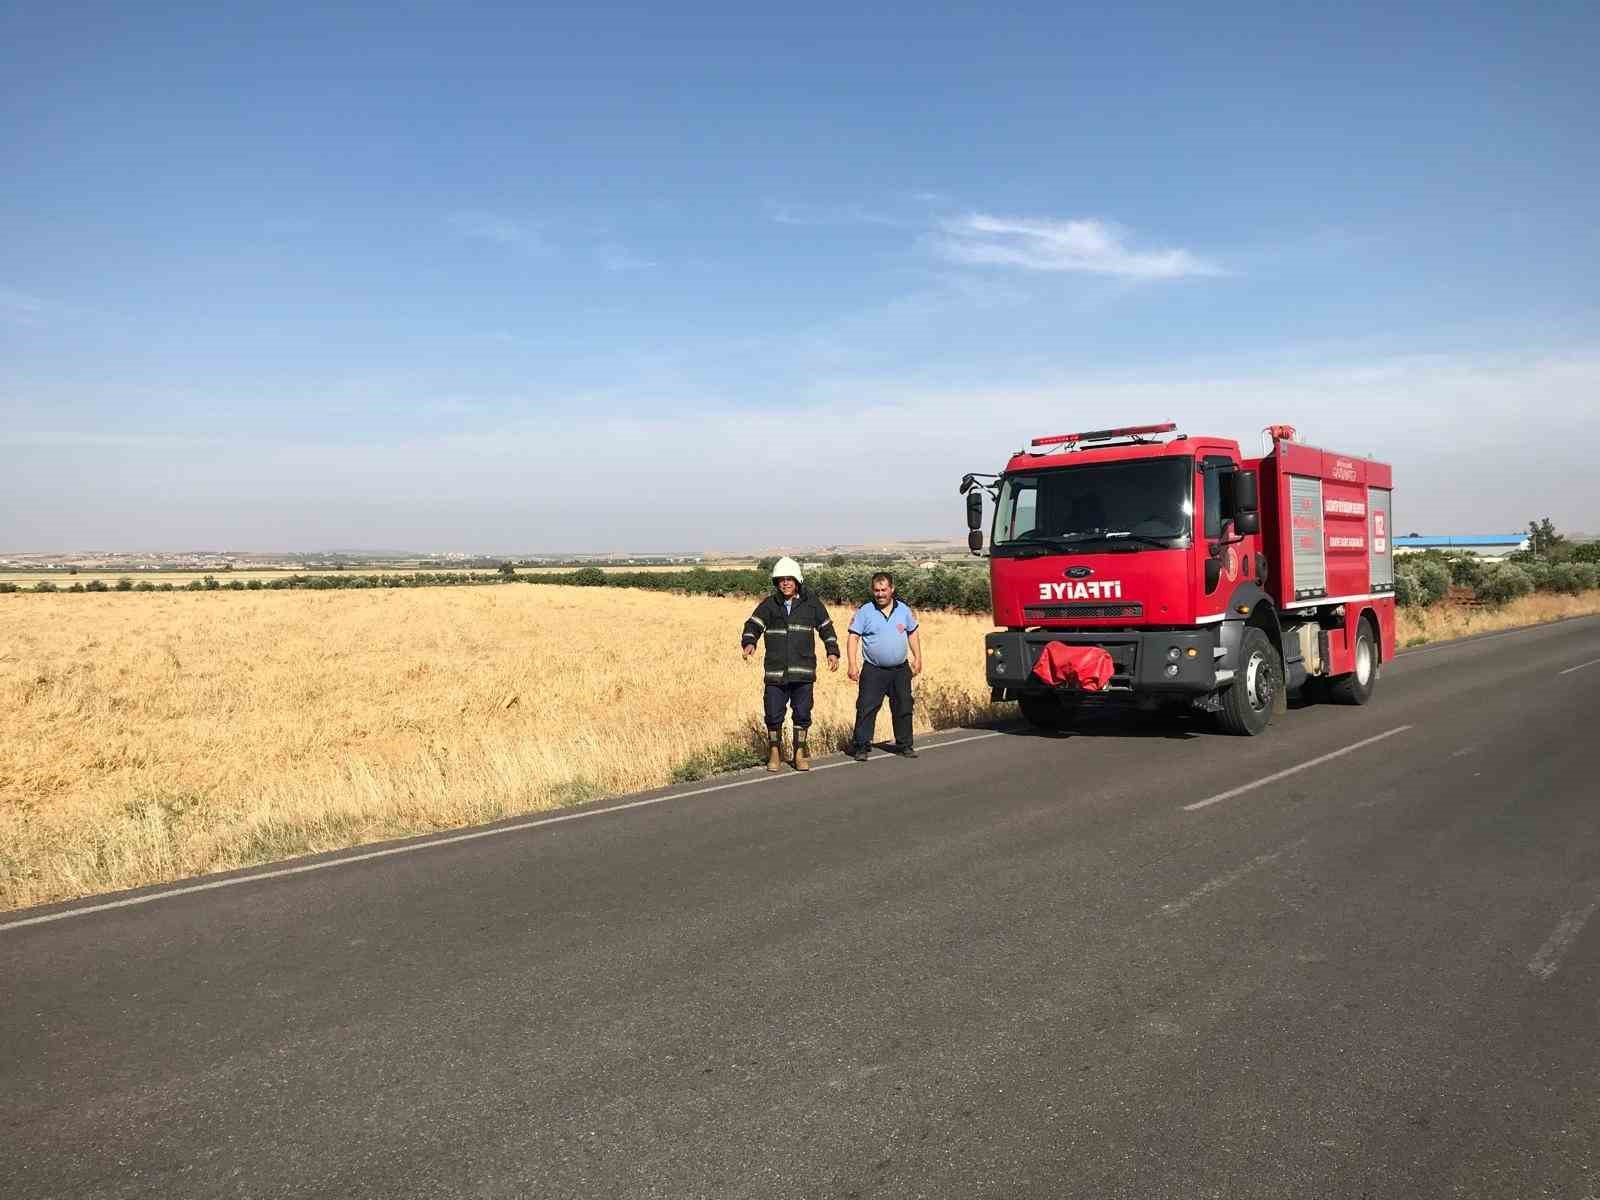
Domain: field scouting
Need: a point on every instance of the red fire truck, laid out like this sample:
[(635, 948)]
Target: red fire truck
[(1207, 579)]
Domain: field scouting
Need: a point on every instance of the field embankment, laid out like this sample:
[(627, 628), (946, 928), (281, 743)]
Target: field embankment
[(157, 737), (1442, 622)]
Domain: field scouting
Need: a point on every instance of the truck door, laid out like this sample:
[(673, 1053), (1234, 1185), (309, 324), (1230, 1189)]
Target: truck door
[(1220, 574)]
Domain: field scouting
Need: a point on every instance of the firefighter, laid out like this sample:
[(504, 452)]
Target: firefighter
[(787, 619), (884, 631)]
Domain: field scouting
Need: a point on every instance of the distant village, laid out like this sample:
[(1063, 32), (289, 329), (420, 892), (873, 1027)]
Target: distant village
[(217, 561)]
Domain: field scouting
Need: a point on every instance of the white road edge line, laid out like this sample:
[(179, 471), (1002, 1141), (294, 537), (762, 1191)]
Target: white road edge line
[(1579, 667), (1286, 772), (452, 839), (1545, 963), (1474, 639)]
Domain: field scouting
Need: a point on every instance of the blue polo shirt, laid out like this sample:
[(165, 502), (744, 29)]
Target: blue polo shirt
[(884, 635)]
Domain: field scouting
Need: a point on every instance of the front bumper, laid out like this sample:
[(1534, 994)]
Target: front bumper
[(1139, 657)]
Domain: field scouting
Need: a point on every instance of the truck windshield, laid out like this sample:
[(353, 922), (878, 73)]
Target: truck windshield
[(1118, 505)]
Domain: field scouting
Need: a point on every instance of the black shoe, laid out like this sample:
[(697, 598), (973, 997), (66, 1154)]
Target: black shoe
[(906, 751), (859, 754)]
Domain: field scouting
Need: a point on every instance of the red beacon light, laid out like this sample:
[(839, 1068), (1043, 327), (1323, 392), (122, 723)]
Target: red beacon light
[(1101, 435)]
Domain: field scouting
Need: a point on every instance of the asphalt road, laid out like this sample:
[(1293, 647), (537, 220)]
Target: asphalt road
[(1017, 966)]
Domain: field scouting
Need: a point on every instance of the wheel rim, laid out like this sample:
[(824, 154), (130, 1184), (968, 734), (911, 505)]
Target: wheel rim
[(1258, 682), (1363, 661)]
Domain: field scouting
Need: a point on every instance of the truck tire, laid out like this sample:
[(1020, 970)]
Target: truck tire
[(1357, 687), (1248, 702), (1046, 710)]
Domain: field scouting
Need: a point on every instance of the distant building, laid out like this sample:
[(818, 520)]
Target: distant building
[(1492, 546)]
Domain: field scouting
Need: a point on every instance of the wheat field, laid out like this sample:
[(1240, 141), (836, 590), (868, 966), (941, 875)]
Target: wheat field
[(152, 737)]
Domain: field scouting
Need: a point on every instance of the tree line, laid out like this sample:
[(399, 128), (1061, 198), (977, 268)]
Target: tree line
[(962, 589)]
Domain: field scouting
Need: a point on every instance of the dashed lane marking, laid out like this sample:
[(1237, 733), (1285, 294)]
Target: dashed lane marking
[(1545, 963), (1288, 771), (1230, 877), (1579, 667)]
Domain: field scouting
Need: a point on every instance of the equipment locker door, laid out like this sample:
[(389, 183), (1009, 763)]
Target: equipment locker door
[(1381, 538), (1305, 514)]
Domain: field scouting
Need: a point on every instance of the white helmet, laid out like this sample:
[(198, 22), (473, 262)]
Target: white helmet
[(787, 567)]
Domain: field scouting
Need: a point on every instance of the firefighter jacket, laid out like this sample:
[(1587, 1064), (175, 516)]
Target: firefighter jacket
[(791, 646)]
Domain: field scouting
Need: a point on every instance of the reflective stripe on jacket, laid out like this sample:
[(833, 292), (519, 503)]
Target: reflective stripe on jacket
[(791, 637)]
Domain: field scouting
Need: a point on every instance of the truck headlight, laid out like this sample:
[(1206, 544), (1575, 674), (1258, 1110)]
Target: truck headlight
[(1172, 669), (1173, 653)]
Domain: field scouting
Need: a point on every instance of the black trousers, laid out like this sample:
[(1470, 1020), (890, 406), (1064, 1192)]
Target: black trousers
[(797, 695), (876, 683)]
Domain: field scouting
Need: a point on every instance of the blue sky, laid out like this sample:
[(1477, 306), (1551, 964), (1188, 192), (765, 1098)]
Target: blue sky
[(474, 276)]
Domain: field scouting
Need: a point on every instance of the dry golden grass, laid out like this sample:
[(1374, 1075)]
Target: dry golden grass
[(1442, 622), (154, 737)]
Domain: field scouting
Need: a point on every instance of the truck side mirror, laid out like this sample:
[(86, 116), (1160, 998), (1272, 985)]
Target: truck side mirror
[(974, 509), (975, 541), (1245, 496), (1247, 521)]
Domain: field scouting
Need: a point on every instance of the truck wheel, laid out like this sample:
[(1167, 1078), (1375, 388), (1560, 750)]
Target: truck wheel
[(1044, 710), (1357, 687), (1247, 704)]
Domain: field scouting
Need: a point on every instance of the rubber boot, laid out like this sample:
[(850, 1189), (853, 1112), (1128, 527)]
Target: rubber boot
[(774, 749), (802, 754)]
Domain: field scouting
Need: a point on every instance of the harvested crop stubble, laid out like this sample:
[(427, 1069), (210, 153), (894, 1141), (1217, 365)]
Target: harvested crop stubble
[(154, 737)]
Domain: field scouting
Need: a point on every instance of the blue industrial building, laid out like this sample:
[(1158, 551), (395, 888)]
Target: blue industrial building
[(1480, 545)]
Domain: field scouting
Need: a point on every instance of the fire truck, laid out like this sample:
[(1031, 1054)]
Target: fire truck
[(1172, 571)]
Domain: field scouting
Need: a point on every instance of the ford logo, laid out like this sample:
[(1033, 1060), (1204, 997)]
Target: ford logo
[(1079, 572)]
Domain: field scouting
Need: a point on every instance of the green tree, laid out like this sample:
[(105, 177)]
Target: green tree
[(508, 571), (1547, 543)]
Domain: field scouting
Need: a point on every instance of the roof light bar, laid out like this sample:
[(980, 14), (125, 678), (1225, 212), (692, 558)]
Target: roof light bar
[(1100, 435)]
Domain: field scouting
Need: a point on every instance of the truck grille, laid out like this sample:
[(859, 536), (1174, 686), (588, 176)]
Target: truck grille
[(1049, 612)]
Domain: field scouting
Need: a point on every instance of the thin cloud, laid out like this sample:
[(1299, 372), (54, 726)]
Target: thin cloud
[(1432, 416), (21, 308), (452, 406), (798, 213), (619, 258), (502, 231), (1086, 246)]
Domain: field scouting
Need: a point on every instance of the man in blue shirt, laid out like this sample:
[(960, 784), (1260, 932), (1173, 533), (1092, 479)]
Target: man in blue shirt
[(885, 634)]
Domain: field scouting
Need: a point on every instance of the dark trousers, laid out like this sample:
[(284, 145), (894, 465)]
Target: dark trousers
[(876, 683), (797, 695)]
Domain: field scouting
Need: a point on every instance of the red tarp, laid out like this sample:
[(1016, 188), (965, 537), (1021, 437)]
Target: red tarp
[(1086, 667)]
